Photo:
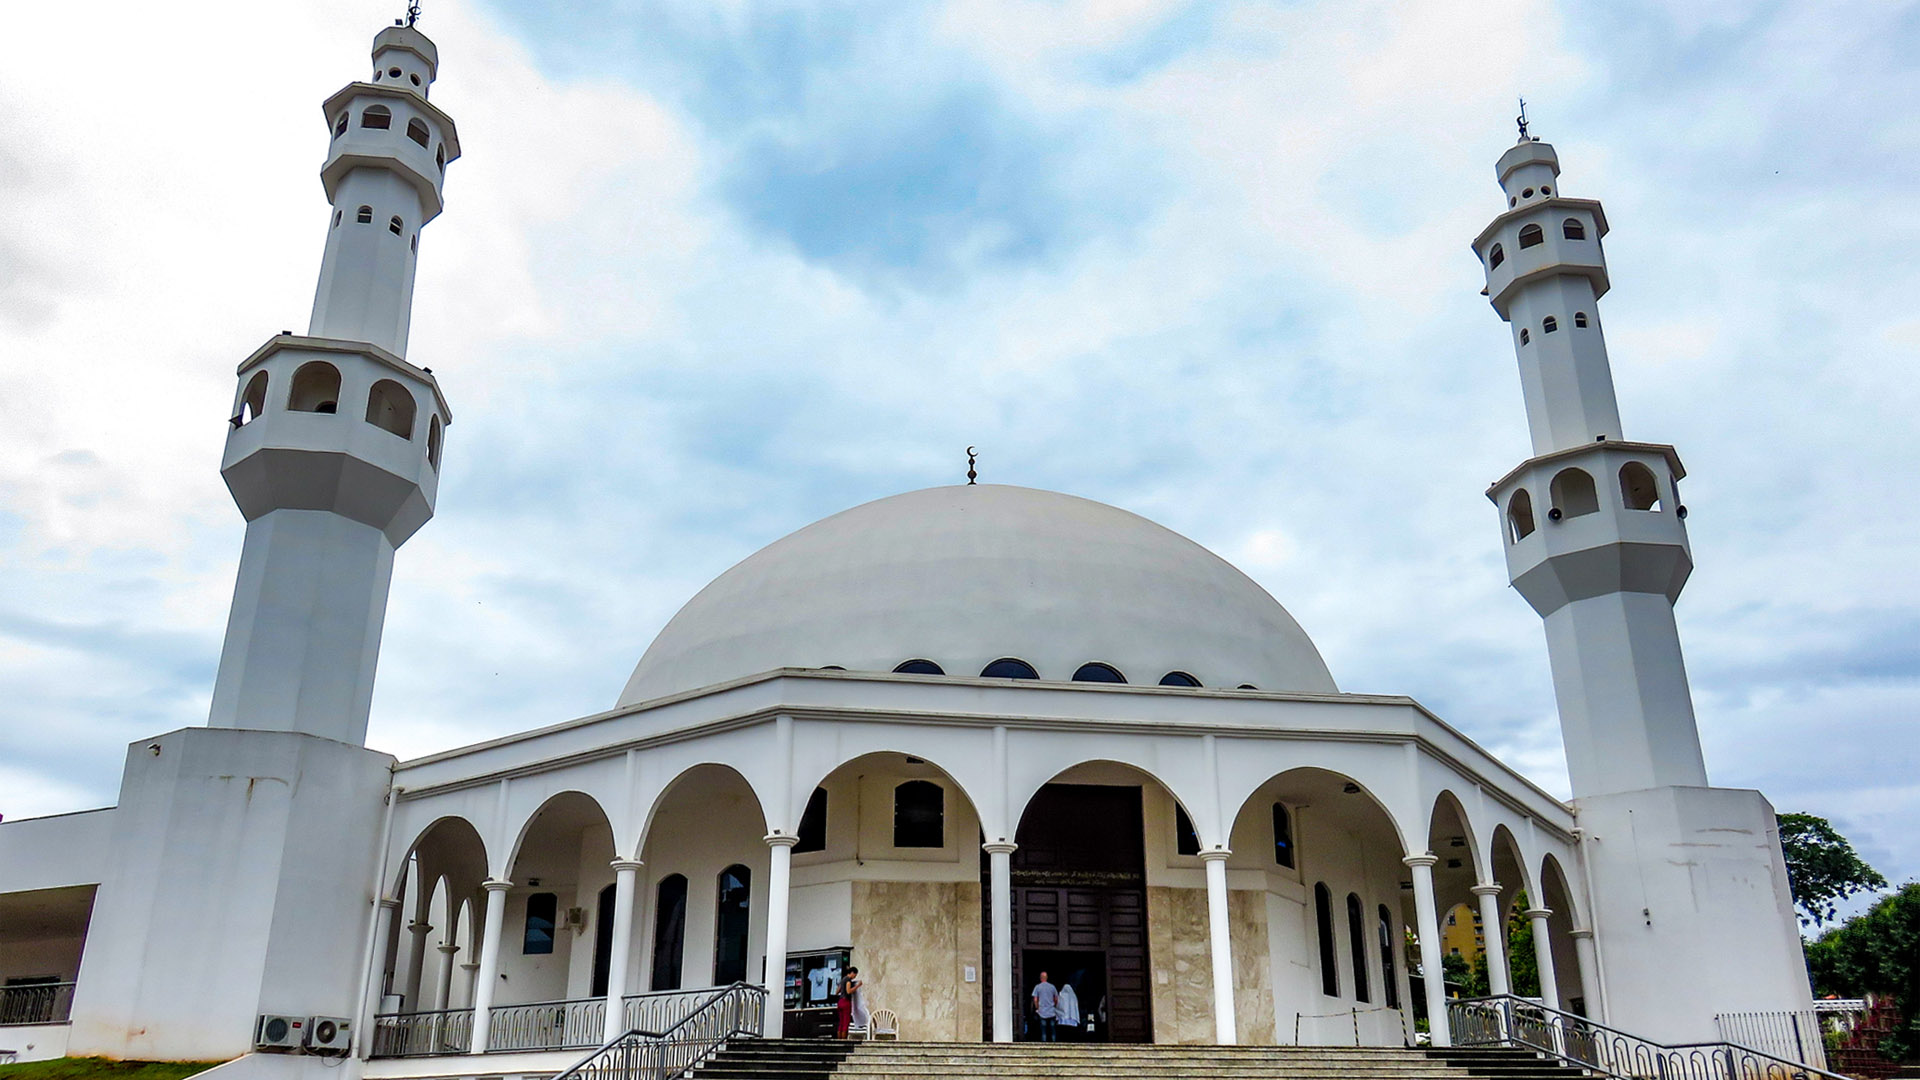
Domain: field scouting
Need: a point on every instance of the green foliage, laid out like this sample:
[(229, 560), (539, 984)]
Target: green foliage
[(1877, 952), (1454, 967), (1822, 868), (93, 1068), (1522, 961), (1477, 982)]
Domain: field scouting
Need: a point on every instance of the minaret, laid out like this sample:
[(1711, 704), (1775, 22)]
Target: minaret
[(333, 451), (1595, 534)]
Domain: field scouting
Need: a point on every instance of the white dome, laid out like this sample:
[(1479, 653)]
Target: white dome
[(966, 575)]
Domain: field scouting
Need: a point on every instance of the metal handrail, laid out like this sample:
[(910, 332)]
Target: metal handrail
[(422, 1034), (729, 1012), (36, 1003), (1509, 1020)]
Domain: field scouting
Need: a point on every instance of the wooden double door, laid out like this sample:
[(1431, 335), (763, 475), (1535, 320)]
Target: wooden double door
[(1080, 910)]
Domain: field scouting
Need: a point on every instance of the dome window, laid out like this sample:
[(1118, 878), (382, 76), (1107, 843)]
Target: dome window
[(1178, 678), (418, 132), (919, 667), (1572, 229), (1532, 236), (376, 116), (1008, 667), (1247, 686), (1098, 672)]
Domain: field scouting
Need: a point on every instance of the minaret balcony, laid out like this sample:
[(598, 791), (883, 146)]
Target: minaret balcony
[(341, 426), (1599, 518), (1540, 239), (417, 140)]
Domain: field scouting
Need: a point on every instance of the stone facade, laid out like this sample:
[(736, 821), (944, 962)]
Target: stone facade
[(913, 941)]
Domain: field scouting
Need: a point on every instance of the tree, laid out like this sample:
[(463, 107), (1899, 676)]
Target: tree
[(1822, 868), (1877, 952)]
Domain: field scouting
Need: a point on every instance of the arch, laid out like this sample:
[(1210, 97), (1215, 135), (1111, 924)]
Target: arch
[(1357, 947), (390, 408), (918, 667), (1178, 678), (669, 932), (450, 846), (1323, 927), (1573, 229), (1549, 325), (1556, 895), (1638, 489), (1519, 516), (433, 443), (1095, 671), (340, 125), (316, 388), (919, 815), (1573, 493), (732, 923), (564, 814), (1008, 667), (395, 225), (1510, 869), (1115, 769), (1525, 337), (1364, 814), (1495, 256), (1532, 236), (1555, 892), (1579, 320), (417, 131), (1450, 835), (364, 215), (254, 401), (377, 116), (708, 777)]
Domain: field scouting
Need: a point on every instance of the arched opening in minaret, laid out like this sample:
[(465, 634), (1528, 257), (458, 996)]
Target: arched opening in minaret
[(1579, 320), (340, 125), (1549, 325), (433, 443), (1532, 236), (391, 407), (1574, 494), (418, 132), (376, 116), (1496, 256), (1573, 229), (254, 401), (364, 215), (316, 388), (1638, 489)]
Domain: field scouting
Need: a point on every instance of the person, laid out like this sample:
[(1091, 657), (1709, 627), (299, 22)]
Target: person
[(1068, 1011), (853, 1002), (1046, 1005)]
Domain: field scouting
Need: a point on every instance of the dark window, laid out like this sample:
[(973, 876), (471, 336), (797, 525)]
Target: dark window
[(340, 125), (396, 226), (1580, 320), (1323, 920), (538, 938), (1532, 236), (1549, 325), (433, 442), (1524, 336), (602, 942), (1572, 229), (393, 73), (440, 156), (1098, 672), (918, 667), (1496, 256), (1513, 200), (316, 388), (1009, 668), (669, 932), (1387, 974), (337, 215), (919, 815), (376, 116), (1527, 194), (414, 79), (1247, 686), (1186, 839), (731, 909), (1178, 678), (1545, 190), (1519, 516), (417, 131), (364, 215), (1282, 836), (813, 823), (1357, 942)]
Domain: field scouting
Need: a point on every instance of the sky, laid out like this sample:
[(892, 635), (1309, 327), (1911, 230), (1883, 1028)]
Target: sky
[(710, 271)]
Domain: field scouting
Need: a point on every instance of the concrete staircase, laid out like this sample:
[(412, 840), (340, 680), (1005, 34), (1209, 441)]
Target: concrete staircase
[(818, 1060)]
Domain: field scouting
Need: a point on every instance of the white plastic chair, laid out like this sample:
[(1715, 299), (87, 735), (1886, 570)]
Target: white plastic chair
[(883, 1024)]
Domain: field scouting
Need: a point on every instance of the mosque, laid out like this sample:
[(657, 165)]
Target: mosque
[(953, 737)]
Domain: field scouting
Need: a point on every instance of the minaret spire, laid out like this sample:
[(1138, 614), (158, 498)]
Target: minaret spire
[(1595, 534)]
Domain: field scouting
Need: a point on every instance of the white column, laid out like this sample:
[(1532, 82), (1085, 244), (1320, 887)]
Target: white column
[(1432, 974), (1589, 959), (489, 972), (443, 986), (1493, 928), (1000, 986), (779, 881), (377, 977), (625, 873), (416, 961), (1543, 954), (1220, 945)]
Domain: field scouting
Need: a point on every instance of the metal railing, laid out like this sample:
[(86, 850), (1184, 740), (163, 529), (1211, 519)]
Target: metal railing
[(39, 1003), (1795, 1034), (424, 1034), (547, 1025), (730, 1012), (1512, 1021)]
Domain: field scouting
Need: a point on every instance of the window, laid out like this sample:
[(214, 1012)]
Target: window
[(1009, 668), (395, 225), (1573, 493), (1527, 194), (1282, 836), (440, 156), (433, 443), (316, 388), (1098, 672), (254, 401), (1638, 491), (376, 116), (1186, 839), (1519, 516), (1387, 974), (669, 931), (1451, 917), (1323, 921), (538, 938), (732, 905), (1549, 325), (813, 824), (390, 408), (1178, 678), (417, 131), (1532, 236), (340, 125), (393, 73), (602, 942), (918, 667), (364, 215), (414, 79), (337, 215), (919, 815), (1496, 256), (1545, 190), (1524, 337), (1357, 943), (1579, 320), (1572, 229)]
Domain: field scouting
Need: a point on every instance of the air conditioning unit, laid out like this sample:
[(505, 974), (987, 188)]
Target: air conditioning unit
[(273, 1032), (329, 1034)]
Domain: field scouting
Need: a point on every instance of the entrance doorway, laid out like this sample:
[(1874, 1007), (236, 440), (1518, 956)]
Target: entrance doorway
[(1082, 1018), (1080, 906)]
